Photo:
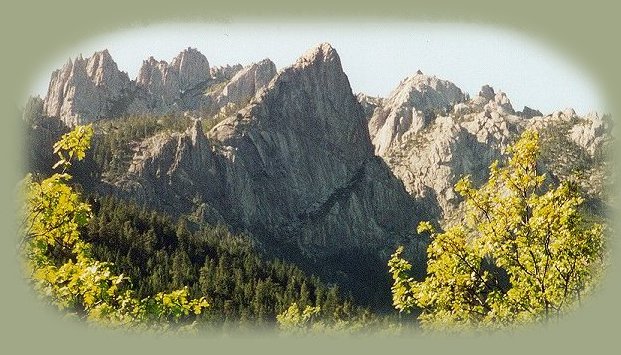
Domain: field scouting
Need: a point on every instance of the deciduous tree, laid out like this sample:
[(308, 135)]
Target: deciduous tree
[(60, 264), (523, 253)]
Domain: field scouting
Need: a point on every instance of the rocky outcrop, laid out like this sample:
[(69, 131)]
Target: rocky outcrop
[(528, 112), (224, 72), (491, 101), (475, 133), (592, 132), (411, 107), (369, 104), (577, 149), (430, 162), (176, 86), (159, 84), (85, 90), (238, 90), (500, 104), (295, 166), (192, 68)]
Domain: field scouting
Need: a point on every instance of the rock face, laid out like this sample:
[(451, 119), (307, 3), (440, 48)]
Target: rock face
[(224, 73), (431, 162), (175, 86), (294, 166), (528, 112), (159, 84), (239, 89), (85, 90), (192, 68), (410, 108), (369, 104), (592, 132), (475, 133)]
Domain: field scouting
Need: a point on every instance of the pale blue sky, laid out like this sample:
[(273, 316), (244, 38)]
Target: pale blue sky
[(375, 57)]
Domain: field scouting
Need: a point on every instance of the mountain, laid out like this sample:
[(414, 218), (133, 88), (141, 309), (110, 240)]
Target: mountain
[(459, 136), (294, 168), (237, 91), (312, 173), (86, 90), (296, 164), (410, 107)]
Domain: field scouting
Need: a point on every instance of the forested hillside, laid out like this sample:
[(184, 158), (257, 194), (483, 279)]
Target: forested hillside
[(159, 254)]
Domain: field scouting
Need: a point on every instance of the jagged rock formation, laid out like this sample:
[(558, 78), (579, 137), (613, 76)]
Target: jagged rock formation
[(591, 132), (284, 127), (577, 148), (369, 104), (490, 101), (239, 89), (303, 165), (175, 86), (225, 72), (475, 133), (528, 112), (296, 165), (431, 161), (193, 68), (411, 107), (85, 90), (89, 89)]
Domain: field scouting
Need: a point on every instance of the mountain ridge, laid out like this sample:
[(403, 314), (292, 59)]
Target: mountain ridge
[(306, 168), (88, 89)]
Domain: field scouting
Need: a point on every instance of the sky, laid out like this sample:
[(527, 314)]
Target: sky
[(375, 57)]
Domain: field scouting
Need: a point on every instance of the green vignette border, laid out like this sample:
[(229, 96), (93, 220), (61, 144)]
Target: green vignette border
[(28, 325)]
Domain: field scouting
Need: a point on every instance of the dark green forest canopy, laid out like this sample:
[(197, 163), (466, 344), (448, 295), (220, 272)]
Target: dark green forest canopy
[(159, 254)]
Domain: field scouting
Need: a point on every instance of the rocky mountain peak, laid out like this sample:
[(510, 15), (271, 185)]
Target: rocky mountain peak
[(528, 112), (426, 93), (314, 97), (500, 104), (490, 100), (105, 73), (412, 106), (246, 82), (295, 165), (321, 53), (487, 92), (86, 89), (231, 94), (55, 96), (151, 71), (192, 67)]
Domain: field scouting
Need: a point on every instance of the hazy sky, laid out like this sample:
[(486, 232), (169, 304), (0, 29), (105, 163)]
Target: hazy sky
[(375, 57)]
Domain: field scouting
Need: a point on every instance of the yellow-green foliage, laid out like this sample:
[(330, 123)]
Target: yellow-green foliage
[(295, 321), (523, 253), (60, 266)]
